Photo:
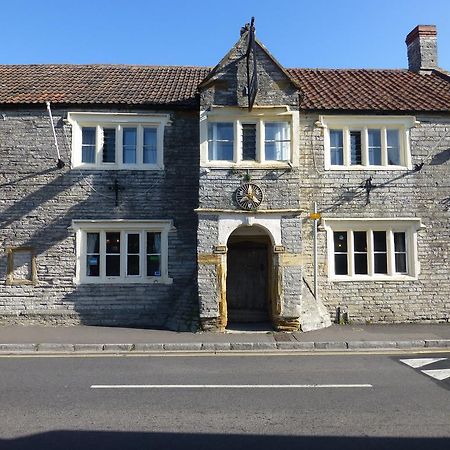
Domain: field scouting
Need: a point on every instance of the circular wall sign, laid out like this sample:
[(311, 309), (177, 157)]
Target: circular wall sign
[(249, 196)]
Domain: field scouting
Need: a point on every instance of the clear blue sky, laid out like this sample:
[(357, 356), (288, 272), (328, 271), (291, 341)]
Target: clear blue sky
[(299, 33)]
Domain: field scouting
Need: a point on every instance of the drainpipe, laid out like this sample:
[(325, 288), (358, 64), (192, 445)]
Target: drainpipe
[(60, 164), (316, 282)]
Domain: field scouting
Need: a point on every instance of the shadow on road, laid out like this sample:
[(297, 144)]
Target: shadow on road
[(71, 440)]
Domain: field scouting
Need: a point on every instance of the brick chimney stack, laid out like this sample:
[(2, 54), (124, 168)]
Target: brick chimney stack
[(422, 48)]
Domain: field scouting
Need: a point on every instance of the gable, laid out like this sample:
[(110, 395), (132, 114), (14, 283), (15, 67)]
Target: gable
[(226, 84)]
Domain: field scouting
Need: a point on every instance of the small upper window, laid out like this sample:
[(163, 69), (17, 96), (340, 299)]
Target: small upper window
[(117, 141), (367, 143)]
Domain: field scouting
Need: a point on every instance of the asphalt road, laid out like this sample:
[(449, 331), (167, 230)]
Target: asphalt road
[(351, 401)]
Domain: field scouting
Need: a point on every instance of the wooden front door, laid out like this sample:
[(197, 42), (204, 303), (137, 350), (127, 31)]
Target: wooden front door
[(247, 281)]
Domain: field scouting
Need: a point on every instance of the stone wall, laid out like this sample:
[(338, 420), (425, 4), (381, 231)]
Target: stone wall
[(423, 194), (39, 201)]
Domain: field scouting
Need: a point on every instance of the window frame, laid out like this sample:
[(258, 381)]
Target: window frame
[(409, 226), (363, 124), (124, 227), (239, 117), (11, 279), (118, 121)]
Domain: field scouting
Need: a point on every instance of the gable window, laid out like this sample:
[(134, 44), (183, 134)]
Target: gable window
[(249, 139), (366, 142), (117, 140), (372, 249), (122, 251)]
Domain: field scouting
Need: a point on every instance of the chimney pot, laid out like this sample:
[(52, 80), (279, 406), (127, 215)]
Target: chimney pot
[(422, 48)]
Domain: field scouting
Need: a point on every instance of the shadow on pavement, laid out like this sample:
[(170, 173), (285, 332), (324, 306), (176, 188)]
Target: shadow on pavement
[(71, 440)]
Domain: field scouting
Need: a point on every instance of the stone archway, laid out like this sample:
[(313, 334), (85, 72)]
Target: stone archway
[(249, 275)]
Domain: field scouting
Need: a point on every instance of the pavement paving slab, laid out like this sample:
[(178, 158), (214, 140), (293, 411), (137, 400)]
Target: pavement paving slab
[(22, 338)]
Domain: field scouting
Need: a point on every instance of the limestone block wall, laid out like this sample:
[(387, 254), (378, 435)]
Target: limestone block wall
[(423, 194), (38, 203)]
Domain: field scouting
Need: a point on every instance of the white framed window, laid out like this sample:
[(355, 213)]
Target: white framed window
[(233, 136), (372, 249), (367, 142), (118, 140), (119, 251)]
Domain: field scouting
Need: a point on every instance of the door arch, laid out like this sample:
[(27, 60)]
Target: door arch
[(249, 274)]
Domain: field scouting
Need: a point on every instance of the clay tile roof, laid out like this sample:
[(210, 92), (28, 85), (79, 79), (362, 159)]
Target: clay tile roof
[(100, 84), (368, 90), (321, 89)]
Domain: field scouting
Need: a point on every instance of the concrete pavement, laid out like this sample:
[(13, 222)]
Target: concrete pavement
[(91, 339)]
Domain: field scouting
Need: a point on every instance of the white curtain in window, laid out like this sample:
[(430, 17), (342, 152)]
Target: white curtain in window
[(277, 141)]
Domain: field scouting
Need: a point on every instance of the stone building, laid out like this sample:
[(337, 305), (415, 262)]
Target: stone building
[(182, 196)]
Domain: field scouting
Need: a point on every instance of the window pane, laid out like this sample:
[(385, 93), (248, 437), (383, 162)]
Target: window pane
[(220, 141), (277, 151), (361, 263), (133, 265), (277, 131), (336, 147), (249, 142), (133, 243), (113, 265), (374, 137), (340, 264), (223, 151), (399, 242), (129, 136), (340, 241), (153, 243), (400, 252), (224, 131), (355, 147), (380, 263), (277, 141), (153, 266), (88, 145), (112, 242), (129, 145), (92, 242), (360, 241), (149, 149), (92, 254), (393, 143), (92, 265), (109, 145), (400, 263), (379, 241)]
